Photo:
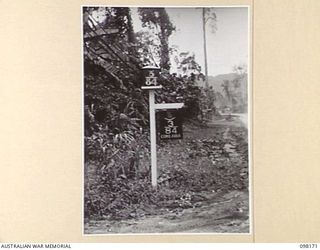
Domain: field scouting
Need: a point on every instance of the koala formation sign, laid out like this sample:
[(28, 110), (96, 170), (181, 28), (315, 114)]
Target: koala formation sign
[(170, 125)]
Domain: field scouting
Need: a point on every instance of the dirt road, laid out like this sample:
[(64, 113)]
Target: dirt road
[(217, 214)]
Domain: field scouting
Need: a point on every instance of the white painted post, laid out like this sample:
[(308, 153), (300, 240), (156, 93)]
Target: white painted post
[(153, 138), (151, 86)]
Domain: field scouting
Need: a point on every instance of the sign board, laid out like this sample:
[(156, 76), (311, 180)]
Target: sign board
[(170, 125), (151, 74)]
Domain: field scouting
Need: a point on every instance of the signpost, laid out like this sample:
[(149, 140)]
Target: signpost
[(151, 74)]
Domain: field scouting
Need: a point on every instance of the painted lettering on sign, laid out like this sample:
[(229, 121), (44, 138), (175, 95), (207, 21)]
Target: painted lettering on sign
[(150, 80), (170, 125), (151, 74)]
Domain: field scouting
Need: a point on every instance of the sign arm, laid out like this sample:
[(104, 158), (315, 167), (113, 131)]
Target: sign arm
[(169, 105)]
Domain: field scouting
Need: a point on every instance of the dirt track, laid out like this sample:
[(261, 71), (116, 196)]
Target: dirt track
[(217, 215)]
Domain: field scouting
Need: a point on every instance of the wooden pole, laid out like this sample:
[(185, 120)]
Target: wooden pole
[(153, 134), (153, 142)]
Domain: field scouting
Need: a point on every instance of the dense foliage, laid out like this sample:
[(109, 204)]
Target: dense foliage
[(116, 109)]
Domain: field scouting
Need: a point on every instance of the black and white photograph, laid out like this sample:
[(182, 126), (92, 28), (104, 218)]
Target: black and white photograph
[(166, 120)]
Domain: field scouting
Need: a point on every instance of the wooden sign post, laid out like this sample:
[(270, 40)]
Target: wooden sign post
[(151, 75)]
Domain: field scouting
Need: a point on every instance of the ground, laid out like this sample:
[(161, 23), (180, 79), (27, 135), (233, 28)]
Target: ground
[(207, 172)]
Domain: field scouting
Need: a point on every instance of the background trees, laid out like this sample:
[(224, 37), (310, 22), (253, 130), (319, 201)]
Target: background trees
[(157, 20), (113, 58)]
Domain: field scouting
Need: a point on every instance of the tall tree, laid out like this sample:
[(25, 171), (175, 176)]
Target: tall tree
[(157, 19), (208, 15)]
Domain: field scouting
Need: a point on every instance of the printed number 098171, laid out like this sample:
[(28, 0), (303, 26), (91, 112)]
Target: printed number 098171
[(308, 245)]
